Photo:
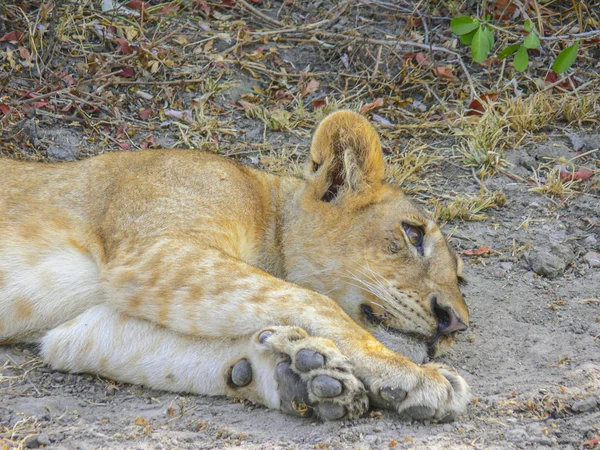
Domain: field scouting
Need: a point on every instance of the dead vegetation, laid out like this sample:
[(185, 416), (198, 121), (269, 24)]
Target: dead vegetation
[(251, 79)]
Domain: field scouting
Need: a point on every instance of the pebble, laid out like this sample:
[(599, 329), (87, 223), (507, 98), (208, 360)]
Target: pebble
[(592, 258), (585, 405), (590, 241), (517, 435), (63, 153), (43, 439), (551, 262)]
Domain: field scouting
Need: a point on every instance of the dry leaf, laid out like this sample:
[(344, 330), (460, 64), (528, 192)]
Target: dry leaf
[(481, 251), (477, 108), (145, 113), (369, 106), (140, 421), (126, 49), (11, 36), (579, 175), (311, 87)]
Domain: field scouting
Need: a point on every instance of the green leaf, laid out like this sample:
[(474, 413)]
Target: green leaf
[(566, 58), (480, 46), (532, 41), (528, 25), (490, 37), (521, 59), (508, 51), (467, 39), (463, 25)]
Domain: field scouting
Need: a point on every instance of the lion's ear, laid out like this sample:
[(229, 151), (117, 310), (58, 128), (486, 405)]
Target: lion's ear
[(345, 158)]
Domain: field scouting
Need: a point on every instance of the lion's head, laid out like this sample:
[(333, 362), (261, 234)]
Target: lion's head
[(367, 246)]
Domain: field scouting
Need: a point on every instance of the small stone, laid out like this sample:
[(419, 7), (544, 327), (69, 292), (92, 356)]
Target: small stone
[(585, 405), (518, 435), (541, 440), (576, 141), (590, 241), (592, 258), (63, 153), (551, 262), (43, 439), (32, 442)]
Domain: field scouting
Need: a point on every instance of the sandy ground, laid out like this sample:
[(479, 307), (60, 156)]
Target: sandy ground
[(531, 355)]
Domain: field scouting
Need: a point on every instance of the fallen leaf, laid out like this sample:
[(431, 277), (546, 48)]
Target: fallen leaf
[(477, 108), (124, 146), (246, 105), (481, 251), (568, 83), (311, 87), (69, 80), (393, 443), (126, 72), (421, 58), (147, 142), (369, 106), (126, 49), (140, 421), (591, 443), (121, 130), (169, 9), (446, 73), (319, 103), (24, 52), (11, 36), (502, 9), (579, 175), (202, 6), (145, 113)]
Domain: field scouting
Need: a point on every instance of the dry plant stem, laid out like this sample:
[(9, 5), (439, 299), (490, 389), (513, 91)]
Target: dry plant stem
[(258, 14), (313, 26), (398, 43)]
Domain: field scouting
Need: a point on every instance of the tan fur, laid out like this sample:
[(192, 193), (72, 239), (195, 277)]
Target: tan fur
[(193, 249)]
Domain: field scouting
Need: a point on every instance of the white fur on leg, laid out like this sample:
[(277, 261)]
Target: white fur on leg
[(108, 343)]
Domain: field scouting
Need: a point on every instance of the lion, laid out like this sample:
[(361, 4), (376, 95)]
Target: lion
[(185, 271)]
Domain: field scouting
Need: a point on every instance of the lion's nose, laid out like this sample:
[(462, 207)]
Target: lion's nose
[(448, 321)]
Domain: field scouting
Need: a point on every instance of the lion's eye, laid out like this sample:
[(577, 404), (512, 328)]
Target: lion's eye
[(415, 234)]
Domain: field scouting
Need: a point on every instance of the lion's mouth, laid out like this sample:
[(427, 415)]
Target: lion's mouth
[(432, 343)]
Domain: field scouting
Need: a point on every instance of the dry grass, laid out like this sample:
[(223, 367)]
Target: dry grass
[(467, 207), (530, 114), (484, 140)]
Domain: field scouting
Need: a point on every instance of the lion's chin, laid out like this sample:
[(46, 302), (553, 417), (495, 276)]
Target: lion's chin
[(416, 350)]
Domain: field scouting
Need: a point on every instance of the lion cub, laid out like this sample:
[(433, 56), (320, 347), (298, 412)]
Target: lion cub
[(185, 271)]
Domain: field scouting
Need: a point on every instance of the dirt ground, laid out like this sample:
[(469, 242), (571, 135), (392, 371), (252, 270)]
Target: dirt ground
[(532, 352)]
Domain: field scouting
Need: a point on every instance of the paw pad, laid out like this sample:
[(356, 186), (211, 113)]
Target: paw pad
[(307, 360), (241, 373)]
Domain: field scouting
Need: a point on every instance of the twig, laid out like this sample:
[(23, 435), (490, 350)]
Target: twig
[(377, 62), (154, 83), (571, 36), (389, 42), (313, 26), (252, 10)]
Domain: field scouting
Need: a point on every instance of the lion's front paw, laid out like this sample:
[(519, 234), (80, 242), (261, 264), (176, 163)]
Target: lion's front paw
[(432, 391), (312, 375)]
